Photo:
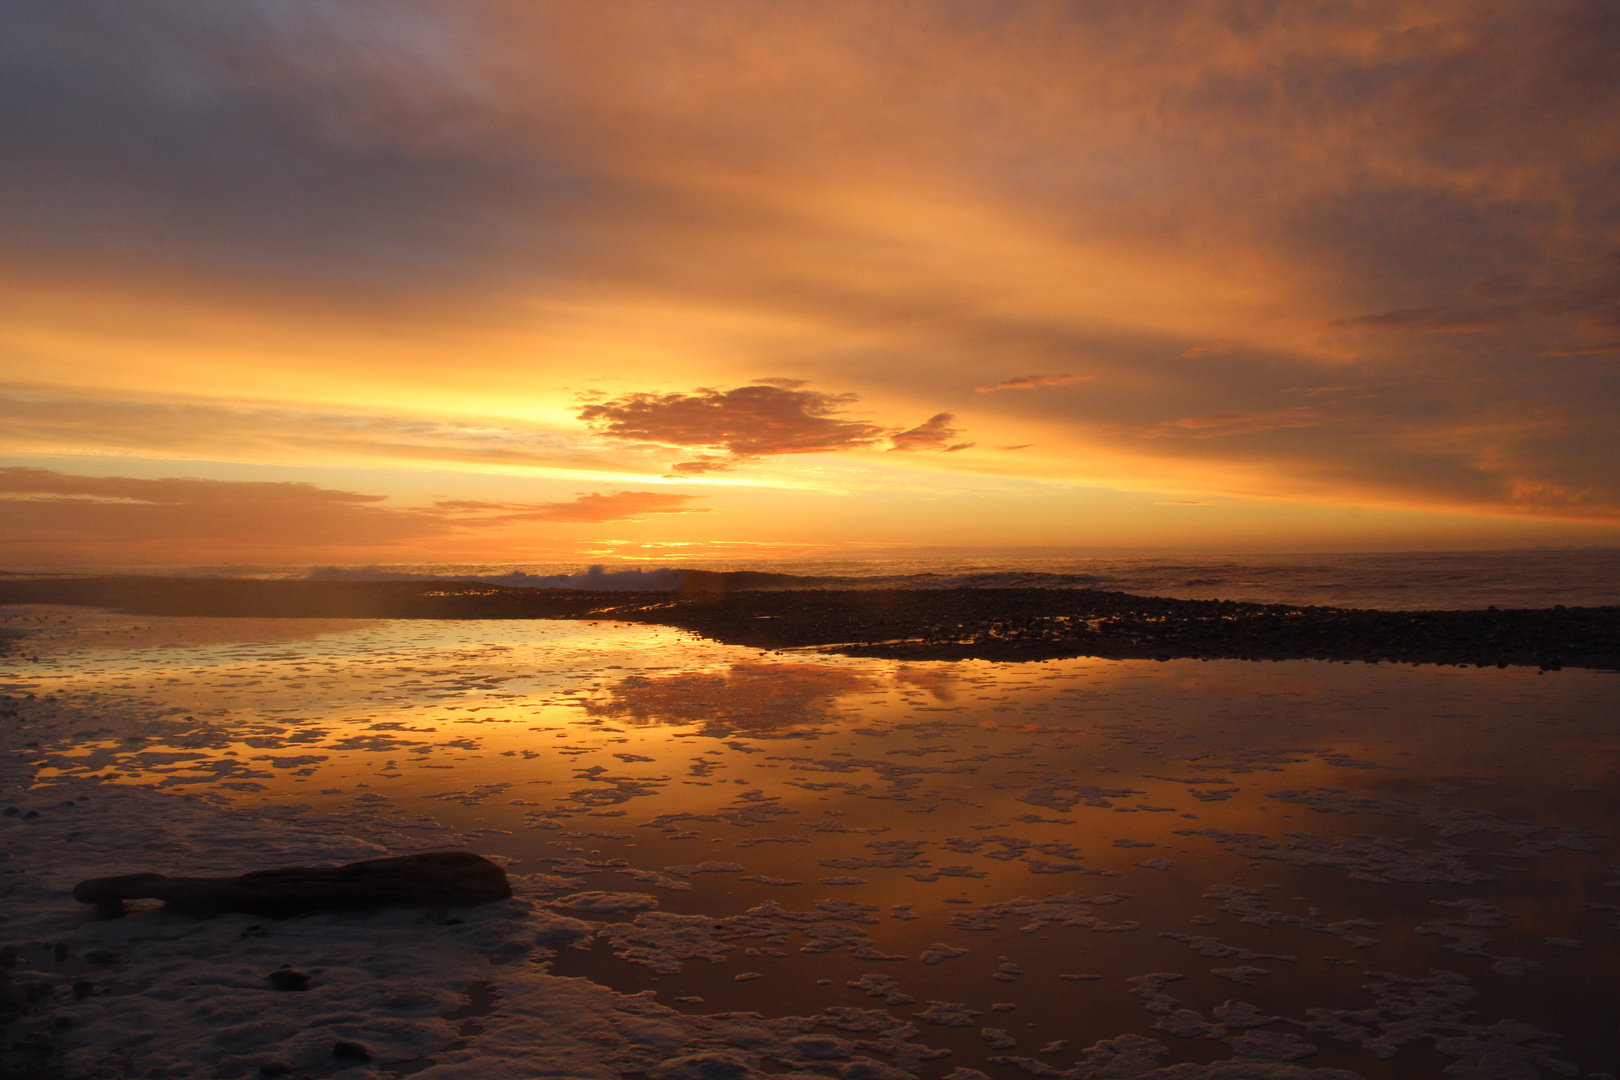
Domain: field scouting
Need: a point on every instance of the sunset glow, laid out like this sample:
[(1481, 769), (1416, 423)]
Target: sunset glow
[(391, 282)]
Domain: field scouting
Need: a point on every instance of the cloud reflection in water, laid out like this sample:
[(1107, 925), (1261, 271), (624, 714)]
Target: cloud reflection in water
[(746, 696)]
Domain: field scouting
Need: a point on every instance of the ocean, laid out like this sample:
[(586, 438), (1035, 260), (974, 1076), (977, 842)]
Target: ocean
[(1447, 580)]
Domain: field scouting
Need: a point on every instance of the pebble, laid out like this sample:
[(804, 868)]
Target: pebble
[(352, 1051), (289, 978)]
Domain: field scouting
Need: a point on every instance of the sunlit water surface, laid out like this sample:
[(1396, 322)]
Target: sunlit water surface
[(1269, 832)]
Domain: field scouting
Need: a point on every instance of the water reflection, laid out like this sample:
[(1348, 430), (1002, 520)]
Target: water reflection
[(749, 696), (44, 630), (939, 680), (1074, 850)]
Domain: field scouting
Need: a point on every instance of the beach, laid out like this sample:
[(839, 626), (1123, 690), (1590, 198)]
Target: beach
[(734, 858)]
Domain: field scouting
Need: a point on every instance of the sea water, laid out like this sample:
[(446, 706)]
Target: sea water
[(1529, 578)]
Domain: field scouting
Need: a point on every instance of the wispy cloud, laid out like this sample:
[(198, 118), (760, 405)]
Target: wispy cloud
[(45, 508), (1218, 426), (935, 433), (122, 518), (586, 509), (1584, 296), (55, 420), (1030, 382), (1602, 348)]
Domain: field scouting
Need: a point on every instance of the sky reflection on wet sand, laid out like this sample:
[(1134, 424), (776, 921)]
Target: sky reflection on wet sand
[(931, 792)]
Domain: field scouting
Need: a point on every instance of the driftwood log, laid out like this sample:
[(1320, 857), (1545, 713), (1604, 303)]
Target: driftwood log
[(436, 879)]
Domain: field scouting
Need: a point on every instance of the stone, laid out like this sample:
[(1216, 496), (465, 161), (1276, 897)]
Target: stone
[(351, 1051), (289, 978), (436, 879)]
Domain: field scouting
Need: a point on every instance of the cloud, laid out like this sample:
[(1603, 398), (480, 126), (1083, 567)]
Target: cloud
[(768, 418), (1217, 426), (1029, 382), (1585, 296), (746, 422), (699, 466), (45, 513), (586, 509), (1600, 349), (30, 483), (55, 420), (935, 433), (1445, 319)]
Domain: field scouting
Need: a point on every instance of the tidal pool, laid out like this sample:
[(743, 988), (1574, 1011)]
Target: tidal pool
[(1388, 870)]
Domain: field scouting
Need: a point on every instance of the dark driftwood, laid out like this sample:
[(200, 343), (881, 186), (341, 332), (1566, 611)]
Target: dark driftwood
[(437, 879)]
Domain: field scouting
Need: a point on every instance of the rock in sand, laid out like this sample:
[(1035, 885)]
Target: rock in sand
[(440, 879)]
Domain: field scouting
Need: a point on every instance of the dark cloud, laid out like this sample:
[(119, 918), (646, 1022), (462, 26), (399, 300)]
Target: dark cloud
[(699, 466), (1029, 382), (1602, 348), (771, 417), (1444, 319), (746, 422), (1587, 300), (935, 433), (273, 140)]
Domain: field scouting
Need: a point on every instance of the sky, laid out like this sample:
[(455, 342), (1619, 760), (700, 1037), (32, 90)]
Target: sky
[(674, 280)]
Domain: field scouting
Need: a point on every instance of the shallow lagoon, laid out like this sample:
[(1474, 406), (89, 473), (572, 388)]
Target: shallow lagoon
[(1273, 834)]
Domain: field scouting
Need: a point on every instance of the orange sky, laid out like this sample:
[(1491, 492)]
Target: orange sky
[(531, 280)]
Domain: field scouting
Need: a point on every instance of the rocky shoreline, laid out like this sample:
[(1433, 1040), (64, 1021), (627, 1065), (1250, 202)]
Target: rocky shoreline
[(945, 624)]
